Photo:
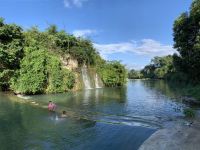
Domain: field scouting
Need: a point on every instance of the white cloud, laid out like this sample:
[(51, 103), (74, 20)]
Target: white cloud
[(84, 33), (66, 3), (147, 47), (77, 3)]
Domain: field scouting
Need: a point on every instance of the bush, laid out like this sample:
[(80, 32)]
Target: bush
[(11, 52), (42, 72), (32, 76), (189, 112), (112, 73), (59, 79)]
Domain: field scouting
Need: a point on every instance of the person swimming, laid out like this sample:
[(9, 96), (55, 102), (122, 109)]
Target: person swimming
[(63, 115), (51, 106)]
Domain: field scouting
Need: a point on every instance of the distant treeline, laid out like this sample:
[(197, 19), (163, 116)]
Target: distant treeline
[(159, 68), (185, 65)]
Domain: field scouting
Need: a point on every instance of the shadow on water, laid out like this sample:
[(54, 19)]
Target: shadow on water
[(162, 86)]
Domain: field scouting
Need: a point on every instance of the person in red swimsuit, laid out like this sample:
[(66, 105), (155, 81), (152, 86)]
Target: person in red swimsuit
[(51, 106)]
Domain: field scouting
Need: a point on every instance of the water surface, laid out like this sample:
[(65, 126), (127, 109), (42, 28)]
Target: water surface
[(99, 119)]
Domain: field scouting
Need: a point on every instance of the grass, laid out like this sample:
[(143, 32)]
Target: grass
[(189, 113)]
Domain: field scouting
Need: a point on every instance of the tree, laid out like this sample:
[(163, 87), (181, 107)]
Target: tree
[(133, 74), (11, 51), (42, 72), (187, 41), (112, 73), (159, 68)]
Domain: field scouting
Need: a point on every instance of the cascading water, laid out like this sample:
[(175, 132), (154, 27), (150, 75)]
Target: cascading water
[(97, 84), (86, 78)]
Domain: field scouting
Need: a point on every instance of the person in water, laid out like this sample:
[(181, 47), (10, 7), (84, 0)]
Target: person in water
[(63, 115), (51, 106)]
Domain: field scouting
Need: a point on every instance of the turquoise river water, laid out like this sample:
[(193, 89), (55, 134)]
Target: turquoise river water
[(98, 119)]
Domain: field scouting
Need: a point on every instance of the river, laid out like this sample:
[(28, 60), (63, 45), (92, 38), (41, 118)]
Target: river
[(98, 119)]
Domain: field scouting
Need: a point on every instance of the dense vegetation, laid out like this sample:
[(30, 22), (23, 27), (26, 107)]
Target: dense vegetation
[(183, 67), (11, 51), (186, 64), (160, 67), (30, 61), (189, 113), (135, 74), (187, 42), (108, 70)]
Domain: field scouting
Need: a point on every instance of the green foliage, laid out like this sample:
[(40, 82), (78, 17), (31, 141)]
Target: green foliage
[(11, 51), (41, 72), (178, 77), (159, 68), (52, 30), (192, 91), (55, 75), (5, 77), (133, 74), (112, 73), (68, 79), (184, 66), (59, 79), (61, 42), (84, 52), (189, 112), (32, 73), (187, 42), (148, 71), (30, 61)]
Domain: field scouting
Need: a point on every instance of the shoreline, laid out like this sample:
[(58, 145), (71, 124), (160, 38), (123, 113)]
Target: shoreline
[(178, 136)]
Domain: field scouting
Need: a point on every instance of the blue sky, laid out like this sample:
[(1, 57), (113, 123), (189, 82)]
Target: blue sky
[(132, 31)]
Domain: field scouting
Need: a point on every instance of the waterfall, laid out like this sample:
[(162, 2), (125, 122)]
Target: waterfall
[(97, 84), (86, 78)]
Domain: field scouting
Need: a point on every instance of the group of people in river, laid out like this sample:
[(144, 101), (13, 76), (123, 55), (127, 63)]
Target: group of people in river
[(52, 108)]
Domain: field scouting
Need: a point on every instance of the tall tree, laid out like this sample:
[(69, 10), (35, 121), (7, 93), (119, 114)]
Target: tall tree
[(187, 41), (11, 51)]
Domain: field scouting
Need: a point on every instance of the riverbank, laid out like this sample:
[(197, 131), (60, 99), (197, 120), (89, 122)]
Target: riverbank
[(178, 136)]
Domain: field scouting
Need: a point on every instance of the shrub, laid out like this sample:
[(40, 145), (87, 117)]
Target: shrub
[(189, 112), (42, 72), (32, 76), (113, 73)]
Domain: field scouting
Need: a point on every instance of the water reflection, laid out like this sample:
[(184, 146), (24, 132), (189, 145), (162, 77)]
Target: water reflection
[(86, 97), (164, 87), (11, 125), (97, 119)]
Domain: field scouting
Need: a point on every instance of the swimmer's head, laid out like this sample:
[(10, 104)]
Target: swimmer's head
[(64, 112)]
